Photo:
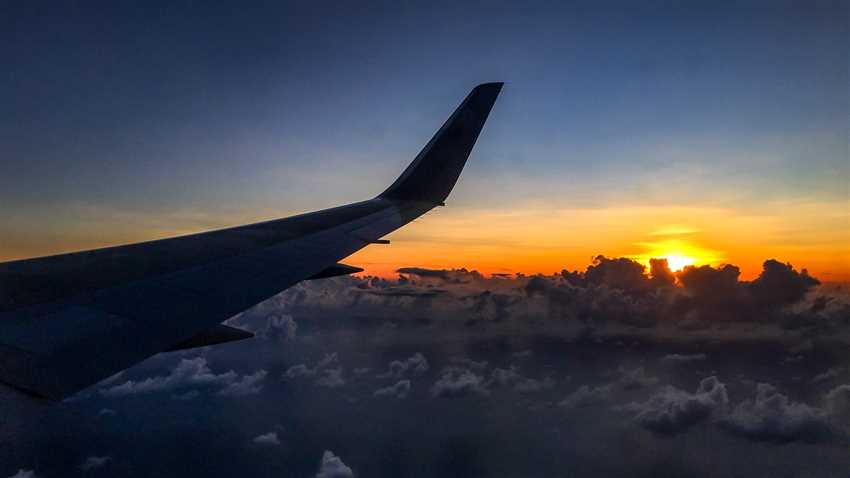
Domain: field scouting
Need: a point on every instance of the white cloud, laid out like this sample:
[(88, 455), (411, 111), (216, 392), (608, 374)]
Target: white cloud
[(333, 467), (189, 372), (269, 438), (773, 417), (672, 411), (248, 385), (24, 474)]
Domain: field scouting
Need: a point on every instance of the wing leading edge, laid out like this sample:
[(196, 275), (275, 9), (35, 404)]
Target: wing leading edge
[(71, 320)]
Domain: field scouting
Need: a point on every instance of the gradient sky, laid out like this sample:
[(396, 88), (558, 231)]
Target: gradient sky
[(718, 132)]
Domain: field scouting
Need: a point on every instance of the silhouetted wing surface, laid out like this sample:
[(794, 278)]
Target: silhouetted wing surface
[(71, 320)]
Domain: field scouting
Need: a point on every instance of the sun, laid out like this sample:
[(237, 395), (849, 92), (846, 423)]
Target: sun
[(679, 254), (677, 262)]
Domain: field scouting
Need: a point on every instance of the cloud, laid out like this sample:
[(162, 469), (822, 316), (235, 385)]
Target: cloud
[(683, 358), (773, 417), (838, 406), (456, 276), (833, 372), (269, 438), (501, 377), (631, 379), (302, 370), (672, 411), (95, 462), (458, 382), (24, 474), (779, 285), (299, 370), (333, 467), (189, 372), (400, 390), (469, 363), (280, 327), (331, 378), (585, 396), (248, 385), (417, 364)]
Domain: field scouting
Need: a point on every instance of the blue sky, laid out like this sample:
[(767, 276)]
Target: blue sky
[(238, 112)]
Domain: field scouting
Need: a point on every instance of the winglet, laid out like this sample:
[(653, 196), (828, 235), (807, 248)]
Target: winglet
[(434, 172)]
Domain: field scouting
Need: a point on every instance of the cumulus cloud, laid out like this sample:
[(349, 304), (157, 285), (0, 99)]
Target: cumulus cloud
[(773, 417), (187, 373), (247, 385), (683, 358), (24, 474), (458, 382), (838, 405), (332, 466), (830, 374), (302, 370), (672, 411), (501, 377), (631, 379), (280, 327), (612, 296), (416, 364), (331, 378), (269, 438), (95, 462), (457, 276), (585, 396), (469, 363), (400, 390)]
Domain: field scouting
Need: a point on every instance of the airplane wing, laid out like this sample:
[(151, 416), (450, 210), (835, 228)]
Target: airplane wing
[(71, 320)]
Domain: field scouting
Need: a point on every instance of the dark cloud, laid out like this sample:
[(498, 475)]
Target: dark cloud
[(247, 385), (302, 370), (838, 406), (511, 377), (400, 390), (416, 364), (779, 285), (280, 327), (95, 462), (467, 362), (672, 411), (599, 346), (456, 276), (773, 417), (830, 374), (459, 382), (24, 474), (586, 396), (331, 378), (683, 358)]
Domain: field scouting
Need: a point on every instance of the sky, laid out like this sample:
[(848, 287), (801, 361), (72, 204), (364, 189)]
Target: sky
[(513, 333), (712, 132)]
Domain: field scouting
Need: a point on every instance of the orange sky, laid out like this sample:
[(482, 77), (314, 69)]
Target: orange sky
[(531, 239), (809, 235)]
